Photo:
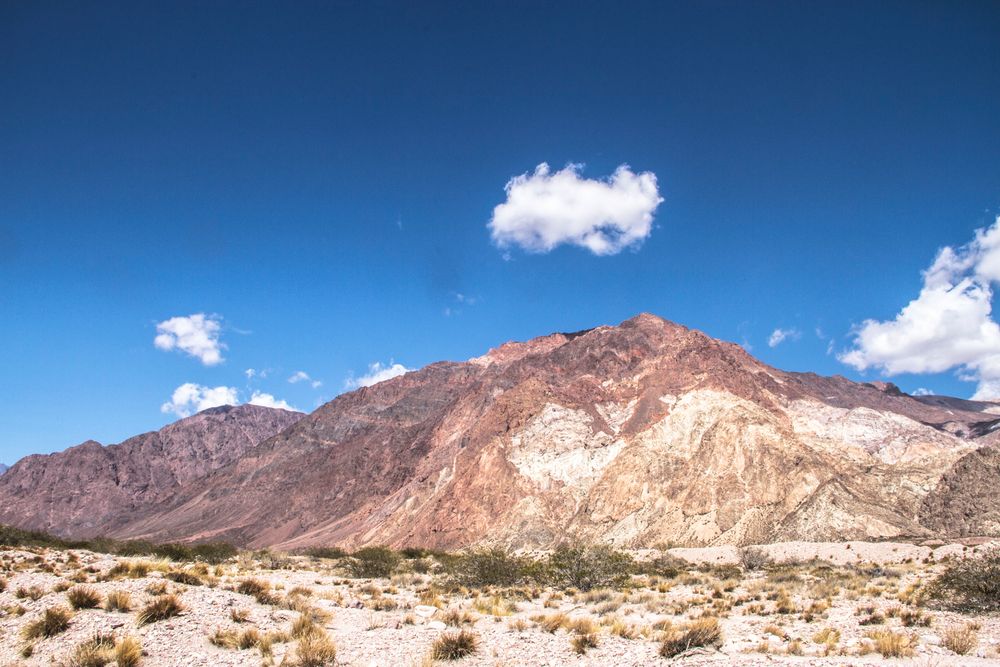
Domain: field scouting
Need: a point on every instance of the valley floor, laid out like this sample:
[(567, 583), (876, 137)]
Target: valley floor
[(805, 612)]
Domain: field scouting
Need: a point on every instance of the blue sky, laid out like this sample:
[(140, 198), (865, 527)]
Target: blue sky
[(318, 180)]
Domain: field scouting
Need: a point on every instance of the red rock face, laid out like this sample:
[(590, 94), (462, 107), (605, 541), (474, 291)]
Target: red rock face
[(639, 434), (92, 490)]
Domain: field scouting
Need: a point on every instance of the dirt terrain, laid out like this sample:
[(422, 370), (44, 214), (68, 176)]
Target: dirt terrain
[(814, 604)]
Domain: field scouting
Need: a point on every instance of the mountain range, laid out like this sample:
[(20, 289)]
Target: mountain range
[(638, 434)]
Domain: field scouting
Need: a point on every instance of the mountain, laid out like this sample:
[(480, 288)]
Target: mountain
[(637, 434), (93, 489)]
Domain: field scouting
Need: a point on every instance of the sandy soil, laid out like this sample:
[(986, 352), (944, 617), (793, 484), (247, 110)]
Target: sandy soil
[(387, 622)]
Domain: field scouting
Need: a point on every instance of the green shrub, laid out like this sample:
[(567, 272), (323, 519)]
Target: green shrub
[(585, 568), (373, 562), (334, 553), (488, 567)]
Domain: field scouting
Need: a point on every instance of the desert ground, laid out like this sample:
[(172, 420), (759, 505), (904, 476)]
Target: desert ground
[(853, 603)]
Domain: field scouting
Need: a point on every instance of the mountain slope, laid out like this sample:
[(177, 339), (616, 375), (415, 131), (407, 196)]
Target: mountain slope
[(92, 490), (637, 434), (3, 468)]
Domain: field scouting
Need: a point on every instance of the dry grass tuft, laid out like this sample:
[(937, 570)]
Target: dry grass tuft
[(702, 632), (961, 640), (316, 649), (83, 597), (454, 645), (118, 601), (128, 652), (891, 644), (52, 622), (161, 608)]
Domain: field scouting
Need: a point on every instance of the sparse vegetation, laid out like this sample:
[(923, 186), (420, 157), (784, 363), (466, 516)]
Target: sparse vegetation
[(585, 568), (488, 567), (118, 601), (752, 558), (316, 649)]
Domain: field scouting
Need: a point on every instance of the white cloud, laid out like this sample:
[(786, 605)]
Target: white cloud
[(302, 376), (779, 336), (377, 372), (923, 391), (197, 335), (545, 209), (190, 398), (269, 401), (250, 373), (948, 326)]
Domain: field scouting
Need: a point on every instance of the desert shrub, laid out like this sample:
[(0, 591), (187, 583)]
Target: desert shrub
[(118, 601), (752, 559), (961, 640), (334, 553), (83, 597), (891, 644), (52, 622), (3, 584), (664, 565), (161, 608), (585, 568), (373, 562), (316, 649), (702, 632), (454, 645), (970, 585), (487, 567)]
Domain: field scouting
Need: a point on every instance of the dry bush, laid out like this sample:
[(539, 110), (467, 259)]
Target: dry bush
[(582, 643), (157, 588), (753, 559), (118, 601), (52, 622), (161, 608), (83, 597), (702, 632), (582, 626), (552, 622), (585, 568), (184, 577), (454, 645), (961, 640), (316, 649), (457, 617), (891, 644), (518, 625)]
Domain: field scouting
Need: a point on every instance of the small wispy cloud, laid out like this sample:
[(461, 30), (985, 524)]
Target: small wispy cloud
[(923, 391), (196, 335), (779, 336), (377, 372), (546, 209), (302, 376)]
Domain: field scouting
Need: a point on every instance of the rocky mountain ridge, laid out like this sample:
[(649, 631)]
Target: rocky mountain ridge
[(637, 434)]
